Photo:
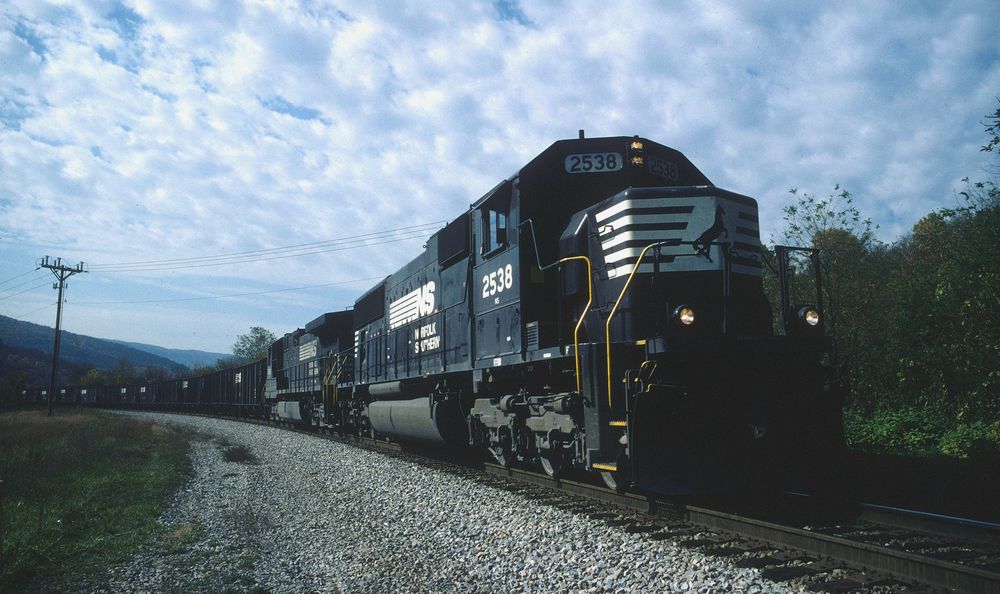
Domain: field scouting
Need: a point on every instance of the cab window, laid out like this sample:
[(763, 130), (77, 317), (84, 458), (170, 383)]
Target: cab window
[(495, 227)]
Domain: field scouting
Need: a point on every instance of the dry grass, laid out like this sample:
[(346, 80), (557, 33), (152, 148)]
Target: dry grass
[(181, 533)]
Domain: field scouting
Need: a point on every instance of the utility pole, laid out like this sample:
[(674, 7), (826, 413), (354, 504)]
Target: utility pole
[(62, 273)]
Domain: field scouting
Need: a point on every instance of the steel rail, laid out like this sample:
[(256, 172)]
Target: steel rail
[(899, 564), (931, 523)]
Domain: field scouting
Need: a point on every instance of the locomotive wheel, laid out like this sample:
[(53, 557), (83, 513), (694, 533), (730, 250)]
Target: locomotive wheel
[(614, 480), (502, 455), (553, 463)]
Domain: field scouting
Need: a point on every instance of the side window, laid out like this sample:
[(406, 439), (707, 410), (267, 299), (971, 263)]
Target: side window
[(495, 227)]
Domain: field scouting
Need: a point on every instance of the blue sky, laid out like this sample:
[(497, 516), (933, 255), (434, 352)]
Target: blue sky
[(143, 131)]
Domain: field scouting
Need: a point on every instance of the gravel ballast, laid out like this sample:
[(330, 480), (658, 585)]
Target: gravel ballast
[(289, 512)]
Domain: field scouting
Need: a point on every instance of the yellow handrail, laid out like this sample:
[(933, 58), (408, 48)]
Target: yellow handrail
[(607, 325), (326, 377), (586, 309), (334, 372)]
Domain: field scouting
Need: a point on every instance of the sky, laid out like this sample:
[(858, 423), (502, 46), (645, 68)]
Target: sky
[(222, 165)]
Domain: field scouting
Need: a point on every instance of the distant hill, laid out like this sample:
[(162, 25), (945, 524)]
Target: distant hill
[(28, 347), (191, 358), (34, 366)]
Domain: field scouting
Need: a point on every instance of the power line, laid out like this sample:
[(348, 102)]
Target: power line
[(293, 251), (4, 282), (21, 284), (347, 282), (253, 260), (44, 284), (21, 316), (422, 228)]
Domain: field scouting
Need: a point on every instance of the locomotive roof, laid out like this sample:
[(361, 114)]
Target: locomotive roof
[(547, 172), (328, 320)]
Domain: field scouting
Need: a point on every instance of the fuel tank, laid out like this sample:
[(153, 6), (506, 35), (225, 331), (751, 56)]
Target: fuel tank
[(288, 411), (420, 419)]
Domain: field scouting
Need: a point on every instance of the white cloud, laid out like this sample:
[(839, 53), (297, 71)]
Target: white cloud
[(150, 130)]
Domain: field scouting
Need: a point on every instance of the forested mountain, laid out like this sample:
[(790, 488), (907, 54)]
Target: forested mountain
[(190, 357), (27, 348)]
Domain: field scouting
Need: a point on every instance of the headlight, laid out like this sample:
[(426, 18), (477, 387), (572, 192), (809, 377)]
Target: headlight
[(684, 314), (809, 315), (635, 157)]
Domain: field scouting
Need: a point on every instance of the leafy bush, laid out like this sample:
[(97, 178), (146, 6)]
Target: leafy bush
[(906, 431), (919, 431), (968, 440)]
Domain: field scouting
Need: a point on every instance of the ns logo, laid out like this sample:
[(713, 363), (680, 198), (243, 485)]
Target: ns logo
[(425, 303), (416, 304)]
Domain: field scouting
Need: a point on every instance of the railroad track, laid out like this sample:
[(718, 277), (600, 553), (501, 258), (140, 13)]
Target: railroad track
[(881, 546), (878, 546)]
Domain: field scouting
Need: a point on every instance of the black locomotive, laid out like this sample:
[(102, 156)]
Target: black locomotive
[(601, 309)]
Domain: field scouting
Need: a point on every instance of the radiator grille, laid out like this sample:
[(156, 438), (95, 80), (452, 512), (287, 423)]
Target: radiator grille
[(531, 335)]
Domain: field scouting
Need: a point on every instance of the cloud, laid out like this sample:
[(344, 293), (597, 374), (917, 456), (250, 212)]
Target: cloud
[(143, 130)]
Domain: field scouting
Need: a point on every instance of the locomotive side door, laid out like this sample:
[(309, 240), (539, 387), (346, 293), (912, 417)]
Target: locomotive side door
[(496, 275)]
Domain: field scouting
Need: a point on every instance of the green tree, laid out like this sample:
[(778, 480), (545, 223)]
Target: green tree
[(948, 310), (93, 377), (811, 215), (992, 125), (852, 264), (124, 372), (155, 373), (254, 344), (917, 321)]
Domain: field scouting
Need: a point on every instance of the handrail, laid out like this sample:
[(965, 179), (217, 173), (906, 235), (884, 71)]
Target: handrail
[(590, 292), (607, 325), (334, 372), (331, 370), (628, 281), (579, 323)]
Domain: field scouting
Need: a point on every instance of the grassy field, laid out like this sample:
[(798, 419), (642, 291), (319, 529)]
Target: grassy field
[(81, 491)]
